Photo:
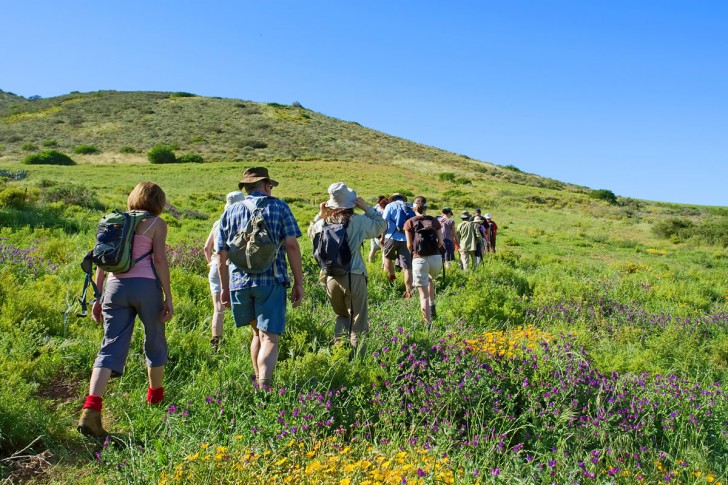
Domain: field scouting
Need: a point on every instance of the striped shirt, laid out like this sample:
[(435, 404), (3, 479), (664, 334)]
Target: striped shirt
[(282, 224)]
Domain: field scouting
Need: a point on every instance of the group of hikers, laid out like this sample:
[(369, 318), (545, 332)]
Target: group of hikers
[(418, 243)]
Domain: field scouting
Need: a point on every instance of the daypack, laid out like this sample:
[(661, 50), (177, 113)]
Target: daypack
[(331, 249), (425, 241), (112, 251), (402, 215), (254, 249)]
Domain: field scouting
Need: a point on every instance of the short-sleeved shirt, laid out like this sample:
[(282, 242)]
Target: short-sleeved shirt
[(282, 224), (390, 215), (409, 227), (448, 228)]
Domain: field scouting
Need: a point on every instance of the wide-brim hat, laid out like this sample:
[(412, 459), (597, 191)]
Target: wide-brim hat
[(396, 196), (256, 174), (465, 215), (488, 216), (341, 196), (233, 197), (478, 219)]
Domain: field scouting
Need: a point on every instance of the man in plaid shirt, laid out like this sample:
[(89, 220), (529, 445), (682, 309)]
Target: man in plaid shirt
[(259, 300)]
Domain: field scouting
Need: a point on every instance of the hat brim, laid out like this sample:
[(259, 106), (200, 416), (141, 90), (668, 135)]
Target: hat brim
[(254, 180)]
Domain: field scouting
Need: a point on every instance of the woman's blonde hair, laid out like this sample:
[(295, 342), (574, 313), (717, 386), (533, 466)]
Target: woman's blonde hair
[(147, 196)]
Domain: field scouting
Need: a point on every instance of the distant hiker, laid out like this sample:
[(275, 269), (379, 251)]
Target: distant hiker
[(448, 235), (210, 249), (256, 282), (343, 270), (480, 250), (425, 242), (468, 235), (144, 291), (493, 232), (376, 244), (395, 242)]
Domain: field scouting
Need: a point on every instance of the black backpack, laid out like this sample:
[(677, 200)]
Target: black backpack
[(425, 241), (331, 249)]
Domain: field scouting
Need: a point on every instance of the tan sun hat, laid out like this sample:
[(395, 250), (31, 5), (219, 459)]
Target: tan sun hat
[(256, 174)]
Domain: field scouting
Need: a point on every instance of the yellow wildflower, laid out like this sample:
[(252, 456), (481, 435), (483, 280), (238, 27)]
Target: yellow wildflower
[(281, 461)]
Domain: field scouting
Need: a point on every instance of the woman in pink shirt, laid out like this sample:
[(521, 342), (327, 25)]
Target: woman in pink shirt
[(142, 291)]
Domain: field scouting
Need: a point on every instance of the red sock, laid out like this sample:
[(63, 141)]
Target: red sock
[(155, 396), (93, 402)]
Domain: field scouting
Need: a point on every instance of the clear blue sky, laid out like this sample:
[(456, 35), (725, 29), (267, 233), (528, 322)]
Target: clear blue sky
[(625, 95)]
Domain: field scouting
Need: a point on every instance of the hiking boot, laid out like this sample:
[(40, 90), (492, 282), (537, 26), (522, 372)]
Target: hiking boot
[(215, 342), (90, 424)]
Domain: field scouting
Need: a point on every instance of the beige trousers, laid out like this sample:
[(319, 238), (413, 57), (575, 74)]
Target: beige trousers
[(350, 306)]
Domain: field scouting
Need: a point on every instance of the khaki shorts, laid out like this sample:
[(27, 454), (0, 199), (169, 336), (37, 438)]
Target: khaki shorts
[(424, 267), (397, 250)]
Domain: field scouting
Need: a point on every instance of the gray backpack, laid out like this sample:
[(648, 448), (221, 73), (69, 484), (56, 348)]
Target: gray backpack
[(254, 248)]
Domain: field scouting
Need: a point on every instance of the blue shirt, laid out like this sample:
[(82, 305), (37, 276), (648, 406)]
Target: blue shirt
[(282, 224), (390, 215)]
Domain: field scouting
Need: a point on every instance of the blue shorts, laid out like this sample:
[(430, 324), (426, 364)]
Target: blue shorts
[(449, 250), (264, 305)]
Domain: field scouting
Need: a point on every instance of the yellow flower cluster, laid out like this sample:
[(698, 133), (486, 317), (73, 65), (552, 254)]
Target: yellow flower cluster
[(507, 343), (328, 462), (661, 252)]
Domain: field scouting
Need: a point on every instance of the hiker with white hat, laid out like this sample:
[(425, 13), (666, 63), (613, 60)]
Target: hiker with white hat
[(210, 250), (337, 234)]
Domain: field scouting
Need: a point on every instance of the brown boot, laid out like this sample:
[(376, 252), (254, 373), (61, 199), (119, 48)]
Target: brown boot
[(90, 424)]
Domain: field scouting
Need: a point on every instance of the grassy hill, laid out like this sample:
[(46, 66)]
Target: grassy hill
[(591, 348)]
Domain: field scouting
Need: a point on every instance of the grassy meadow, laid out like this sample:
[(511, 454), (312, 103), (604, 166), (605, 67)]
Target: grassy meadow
[(592, 348)]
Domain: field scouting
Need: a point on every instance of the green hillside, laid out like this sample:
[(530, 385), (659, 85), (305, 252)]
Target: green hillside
[(591, 348)]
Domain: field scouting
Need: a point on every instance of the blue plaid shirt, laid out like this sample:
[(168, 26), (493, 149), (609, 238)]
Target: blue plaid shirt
[(280, 220)]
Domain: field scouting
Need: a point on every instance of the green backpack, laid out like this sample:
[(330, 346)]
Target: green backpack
[(113, 248), (254, 249)]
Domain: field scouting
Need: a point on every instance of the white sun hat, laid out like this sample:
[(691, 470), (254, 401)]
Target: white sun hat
[(341, 196)]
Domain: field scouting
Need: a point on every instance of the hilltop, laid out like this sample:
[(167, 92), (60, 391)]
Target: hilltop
[(123, 126)]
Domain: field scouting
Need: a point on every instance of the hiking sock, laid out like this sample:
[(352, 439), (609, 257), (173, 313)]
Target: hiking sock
[(93, 402), (155, 396)]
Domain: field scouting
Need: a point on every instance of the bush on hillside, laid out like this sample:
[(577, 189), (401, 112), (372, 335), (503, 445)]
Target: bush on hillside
[(48, 157), (49, 143), (604, 194), (29, 147), (673, 229), (253, 144), (161, 154), (127, 150), (191, 158), (85, 149), (70, 194), (182, 94), (15, 198), (446, 177), (513, 168)]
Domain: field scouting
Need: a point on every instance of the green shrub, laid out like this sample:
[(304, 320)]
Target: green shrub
[(253, 144), (127, 149), (161, 154), (70, 194), (85, 149), (673, 228), (182, 94), (604, 194), (2, 147), (29, 147), (48, 157), (446, 177), (190, 158), (14, 198), (49, 143), (513, 168)]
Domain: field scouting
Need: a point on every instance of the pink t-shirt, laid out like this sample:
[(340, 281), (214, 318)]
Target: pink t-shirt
[(143, 268)]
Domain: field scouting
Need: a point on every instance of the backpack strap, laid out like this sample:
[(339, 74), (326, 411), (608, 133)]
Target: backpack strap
[(150, 226)]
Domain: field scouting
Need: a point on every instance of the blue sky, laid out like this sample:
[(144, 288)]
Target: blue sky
[(625, 95)]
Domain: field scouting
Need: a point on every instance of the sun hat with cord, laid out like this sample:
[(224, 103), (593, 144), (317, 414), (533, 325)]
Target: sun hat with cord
[(233, 197), (341, 196), (254, 175), (478, 219)]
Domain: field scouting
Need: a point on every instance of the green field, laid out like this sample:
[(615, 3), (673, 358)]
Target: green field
[(592, 348)]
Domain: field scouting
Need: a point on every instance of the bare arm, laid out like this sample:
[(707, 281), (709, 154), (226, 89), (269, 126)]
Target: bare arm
[(96, 309), (223, 270), (159, 253), (293, 252), (209, 244)]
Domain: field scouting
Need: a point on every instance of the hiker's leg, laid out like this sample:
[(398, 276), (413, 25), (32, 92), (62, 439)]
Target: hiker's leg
[(255, 349), (156, 376), (464, 259), (420, 280), (118, 327), (360, 316), (270, 322), (218, 315), (405, 260), (337, 291), (267, 357), (99, 379)]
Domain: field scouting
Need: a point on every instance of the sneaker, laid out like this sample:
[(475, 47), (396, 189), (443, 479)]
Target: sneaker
[(90, 424)]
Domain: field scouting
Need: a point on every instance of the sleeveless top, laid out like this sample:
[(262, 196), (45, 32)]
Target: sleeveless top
[(143, 268)]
